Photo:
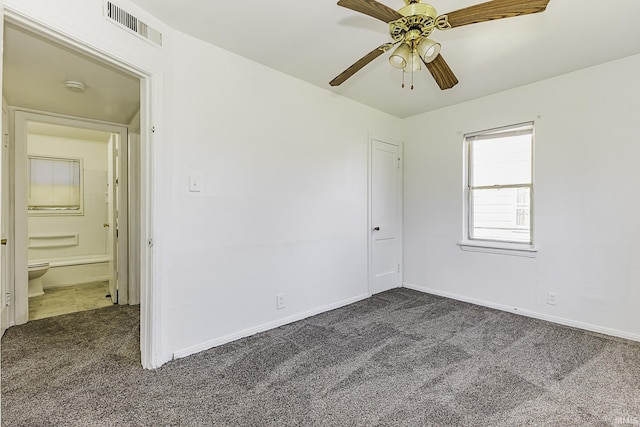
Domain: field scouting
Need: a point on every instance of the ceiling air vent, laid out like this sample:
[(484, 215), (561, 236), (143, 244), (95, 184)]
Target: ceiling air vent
[(131, 23)]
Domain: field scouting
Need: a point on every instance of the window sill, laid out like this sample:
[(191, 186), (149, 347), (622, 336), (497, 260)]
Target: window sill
[(512, 249)]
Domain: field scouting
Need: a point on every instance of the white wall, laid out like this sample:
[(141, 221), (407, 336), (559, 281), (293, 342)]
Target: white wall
[(586, 229), (284, 203), (284, 163), (92, 236)]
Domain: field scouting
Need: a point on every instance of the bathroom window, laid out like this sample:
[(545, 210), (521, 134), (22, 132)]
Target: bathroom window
[(55, 185)]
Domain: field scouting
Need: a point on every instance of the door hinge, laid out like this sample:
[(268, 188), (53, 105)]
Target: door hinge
[(150, 243), (7, 299), (6, 140), (398, 162), (398, 268)]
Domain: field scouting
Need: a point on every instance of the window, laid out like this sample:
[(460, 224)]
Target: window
[(500, 185), (55, 185)]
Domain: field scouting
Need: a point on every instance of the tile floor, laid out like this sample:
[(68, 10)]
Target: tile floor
[(69, 299)]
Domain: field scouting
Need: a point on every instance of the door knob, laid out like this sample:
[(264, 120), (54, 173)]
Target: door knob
[(105, 225), (4, 241), (376, 229)]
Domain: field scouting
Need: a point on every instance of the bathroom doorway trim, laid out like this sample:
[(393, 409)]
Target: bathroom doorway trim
[(150, 108), (124, 253)]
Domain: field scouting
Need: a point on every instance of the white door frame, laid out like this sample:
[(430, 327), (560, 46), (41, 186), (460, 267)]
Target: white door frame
[(20, 238), (6, 262), (118, 241), (150, 102), (370, 225)]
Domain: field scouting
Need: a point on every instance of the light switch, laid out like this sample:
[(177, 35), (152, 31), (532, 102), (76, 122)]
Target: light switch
[(195, 183)]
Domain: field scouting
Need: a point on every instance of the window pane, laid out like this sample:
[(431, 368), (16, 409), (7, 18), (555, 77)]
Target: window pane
[(501, 161), (60, 183), (40, 175), (501, 214), (54, 184)]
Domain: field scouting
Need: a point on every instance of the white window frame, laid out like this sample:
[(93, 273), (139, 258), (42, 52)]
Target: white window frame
[(526, 249), (43, 211)]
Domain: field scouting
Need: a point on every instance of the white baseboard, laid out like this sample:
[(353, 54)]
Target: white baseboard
[(528, 313), (264, 327)]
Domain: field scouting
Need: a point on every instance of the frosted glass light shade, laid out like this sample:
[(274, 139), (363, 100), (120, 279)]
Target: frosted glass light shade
[(400, 57), (413, 64), (428, 50)]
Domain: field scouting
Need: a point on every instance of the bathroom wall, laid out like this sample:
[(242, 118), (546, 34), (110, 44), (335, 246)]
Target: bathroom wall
[(74, 245)]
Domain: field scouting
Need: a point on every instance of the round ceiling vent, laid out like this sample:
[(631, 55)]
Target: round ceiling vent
[(75, 86)]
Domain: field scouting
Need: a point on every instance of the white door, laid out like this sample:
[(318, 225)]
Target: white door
[(385, 214), (117, 211), (110, 226), (5, 288)]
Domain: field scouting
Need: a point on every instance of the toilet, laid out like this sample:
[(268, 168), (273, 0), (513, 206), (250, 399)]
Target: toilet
[(36, 271)]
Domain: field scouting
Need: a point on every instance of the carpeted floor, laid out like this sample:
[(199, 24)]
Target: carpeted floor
[(400, 358)]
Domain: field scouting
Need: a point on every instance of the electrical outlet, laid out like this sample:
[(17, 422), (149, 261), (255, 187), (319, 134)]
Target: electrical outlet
[(551, 298), (280, 301)]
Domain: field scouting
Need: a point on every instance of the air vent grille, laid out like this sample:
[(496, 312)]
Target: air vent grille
[(131, 23)]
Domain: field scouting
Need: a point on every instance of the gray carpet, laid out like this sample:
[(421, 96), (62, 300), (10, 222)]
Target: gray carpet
[(398, 358)]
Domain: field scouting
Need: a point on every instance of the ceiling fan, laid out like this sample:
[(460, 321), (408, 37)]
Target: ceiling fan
[(411, 26)]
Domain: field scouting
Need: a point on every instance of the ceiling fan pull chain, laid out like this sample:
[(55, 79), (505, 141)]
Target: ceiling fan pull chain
[(412, 68)]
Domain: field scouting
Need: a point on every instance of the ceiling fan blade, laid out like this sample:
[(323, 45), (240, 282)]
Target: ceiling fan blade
[(496, 9), (359, 64), (441, 72), (371, 8)]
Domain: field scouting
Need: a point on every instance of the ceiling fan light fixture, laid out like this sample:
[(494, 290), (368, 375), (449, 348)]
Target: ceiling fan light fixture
[(413, 24), (413, 64), (401, 56), (428, 50)]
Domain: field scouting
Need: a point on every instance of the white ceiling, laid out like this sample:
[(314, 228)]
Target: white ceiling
[(316, 40), (34, 74)]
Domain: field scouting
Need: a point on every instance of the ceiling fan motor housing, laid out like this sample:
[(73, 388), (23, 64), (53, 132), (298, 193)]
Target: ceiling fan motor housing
[(418, 9), (418, 21)]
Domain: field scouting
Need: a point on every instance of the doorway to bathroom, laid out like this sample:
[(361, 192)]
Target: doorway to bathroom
[(35, 80), (74, 176), (74, 139)]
